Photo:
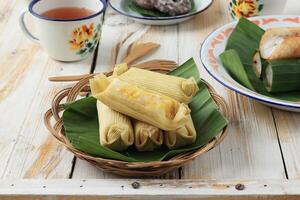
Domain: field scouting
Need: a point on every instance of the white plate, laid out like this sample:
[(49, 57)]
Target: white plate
[(215, 44), (121, 7)]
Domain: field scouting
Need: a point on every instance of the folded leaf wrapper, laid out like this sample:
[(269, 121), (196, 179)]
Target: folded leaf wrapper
[(115, 129), (282, 75), (235, 68), (153, 108), (180, 89), (182, 136), (147, 137)]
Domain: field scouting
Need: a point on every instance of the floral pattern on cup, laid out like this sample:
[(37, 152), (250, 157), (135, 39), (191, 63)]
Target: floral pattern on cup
[(245, 8), (85, 38)]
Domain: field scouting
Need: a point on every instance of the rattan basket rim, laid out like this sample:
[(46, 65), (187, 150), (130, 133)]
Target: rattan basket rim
[(124, 168)]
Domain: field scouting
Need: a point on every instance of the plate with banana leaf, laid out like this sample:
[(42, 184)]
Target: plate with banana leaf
[(156, 12), (133, 126), (259, 58)]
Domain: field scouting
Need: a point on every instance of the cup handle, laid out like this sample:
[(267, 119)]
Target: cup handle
[(24, 27)]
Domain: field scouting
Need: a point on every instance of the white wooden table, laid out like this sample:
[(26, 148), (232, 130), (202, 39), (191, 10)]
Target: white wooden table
[(261, 151)]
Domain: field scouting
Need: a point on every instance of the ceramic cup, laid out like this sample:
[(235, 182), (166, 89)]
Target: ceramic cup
[(65, 39), (249, 8)]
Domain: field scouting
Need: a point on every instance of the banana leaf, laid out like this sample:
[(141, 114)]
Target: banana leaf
[(231, 58), (82, 129), (244, 42), (285, 75), (147, 12)]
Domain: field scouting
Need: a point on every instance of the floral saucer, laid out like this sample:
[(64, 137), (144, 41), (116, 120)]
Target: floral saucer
[(121, 6)]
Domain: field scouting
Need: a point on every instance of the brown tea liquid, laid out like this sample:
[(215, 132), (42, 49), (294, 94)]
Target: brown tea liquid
[(67, 13)]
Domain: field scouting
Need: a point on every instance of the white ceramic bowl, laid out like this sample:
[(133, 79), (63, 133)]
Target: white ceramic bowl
[(215, 44), (121, 7)]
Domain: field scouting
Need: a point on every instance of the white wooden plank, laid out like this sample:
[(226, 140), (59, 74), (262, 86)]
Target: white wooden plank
[(26, 148), (288, 123), (291, 7), (288, 127), (85, 170), (251, 149), (154, 189), (115, 28)]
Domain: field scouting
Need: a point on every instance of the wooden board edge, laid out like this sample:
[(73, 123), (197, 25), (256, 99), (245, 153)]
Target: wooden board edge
[(154, 188)]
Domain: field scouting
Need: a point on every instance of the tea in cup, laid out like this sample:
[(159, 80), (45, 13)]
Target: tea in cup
[(69, 30)]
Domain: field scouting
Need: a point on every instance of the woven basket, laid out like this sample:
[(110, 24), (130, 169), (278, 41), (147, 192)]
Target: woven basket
[(128, 169)]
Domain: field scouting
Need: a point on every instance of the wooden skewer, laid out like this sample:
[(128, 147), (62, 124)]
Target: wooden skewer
[(163, 65), (139, 51)]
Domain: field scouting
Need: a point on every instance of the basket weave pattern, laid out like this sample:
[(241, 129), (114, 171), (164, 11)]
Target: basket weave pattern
[(128, 169)]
